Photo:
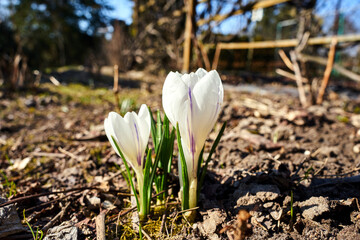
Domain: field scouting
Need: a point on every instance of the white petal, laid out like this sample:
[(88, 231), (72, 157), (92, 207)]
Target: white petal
[(209, 94), (201, 73), (190, 79), (174, 95), (191, 163), (142, 130), (136, 139), (144, 123), (125, 137), (188, 134), (109, 130)]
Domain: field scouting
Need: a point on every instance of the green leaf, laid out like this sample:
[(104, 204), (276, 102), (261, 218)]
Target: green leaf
[(31, 230), (184, 173), (158, 128), (166, 155), (166, 127), (147, 183), (204, 168), (128, 172), (156, 162), (201, 160), (153, 129), (171, 148)]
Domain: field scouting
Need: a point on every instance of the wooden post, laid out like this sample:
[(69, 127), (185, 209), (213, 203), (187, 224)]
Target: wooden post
[(116, 78), (187, 35), (116, 87), (327, 72), (216, 56)]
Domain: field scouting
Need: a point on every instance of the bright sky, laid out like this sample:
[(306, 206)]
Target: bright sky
[(122, 10), (325, 8)]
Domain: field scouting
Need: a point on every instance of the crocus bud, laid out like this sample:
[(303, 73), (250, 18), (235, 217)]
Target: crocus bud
[(131, 134), (193, 101)]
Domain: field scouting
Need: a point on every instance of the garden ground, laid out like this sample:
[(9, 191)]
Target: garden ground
[(279, 172)]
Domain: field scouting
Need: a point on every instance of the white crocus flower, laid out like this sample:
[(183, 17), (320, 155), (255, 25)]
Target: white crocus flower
[(131, 134), (194, 102)]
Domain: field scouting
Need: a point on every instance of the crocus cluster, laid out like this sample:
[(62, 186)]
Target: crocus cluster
[(192, 103)]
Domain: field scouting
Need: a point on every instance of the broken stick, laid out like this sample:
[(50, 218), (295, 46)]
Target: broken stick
[(299, 82), (100, 226)]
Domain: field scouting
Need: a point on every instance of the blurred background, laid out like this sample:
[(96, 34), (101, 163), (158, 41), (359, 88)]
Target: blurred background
[(84, 39)]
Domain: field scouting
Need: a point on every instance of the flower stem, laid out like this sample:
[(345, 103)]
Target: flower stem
[(144, 210), (193, 193)]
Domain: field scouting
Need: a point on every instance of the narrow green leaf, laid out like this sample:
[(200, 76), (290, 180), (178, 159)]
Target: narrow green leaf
[(171, 148), (148, 162), (201, 160), (216, 142), (166, 155), (153, 129), (147, 184), (166, 126), (37, 233), (158, 128), (128, 172), (184, 173), (156, 162), (31, 230)]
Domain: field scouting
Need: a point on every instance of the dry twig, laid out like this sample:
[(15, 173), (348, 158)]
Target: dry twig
[(289, 75), (298, 76), (58, 216), (100, 226), (286, 60), (20, 199)]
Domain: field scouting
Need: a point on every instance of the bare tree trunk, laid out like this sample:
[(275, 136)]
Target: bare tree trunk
[(135, 17), (22, 72), (15, 72)]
